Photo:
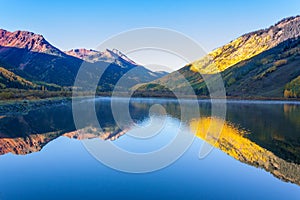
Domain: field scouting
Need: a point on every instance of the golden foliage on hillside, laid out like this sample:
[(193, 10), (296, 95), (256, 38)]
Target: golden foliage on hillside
[(12, 78), (242, 48), (292, 89), (248, 46)]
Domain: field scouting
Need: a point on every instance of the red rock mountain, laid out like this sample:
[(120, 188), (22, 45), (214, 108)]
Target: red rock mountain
[(32, 57), (27, 40)]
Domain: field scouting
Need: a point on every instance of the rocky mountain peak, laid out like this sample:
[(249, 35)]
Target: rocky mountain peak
[(107, 55), (82, 54), (27, 40)]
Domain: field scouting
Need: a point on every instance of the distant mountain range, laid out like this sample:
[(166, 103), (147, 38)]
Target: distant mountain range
[(260, 64), (35, 63), (264, 63)]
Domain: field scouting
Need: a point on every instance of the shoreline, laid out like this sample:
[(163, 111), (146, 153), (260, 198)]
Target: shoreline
[(16, 95), (13, 100), (19, 100), (10, 107)]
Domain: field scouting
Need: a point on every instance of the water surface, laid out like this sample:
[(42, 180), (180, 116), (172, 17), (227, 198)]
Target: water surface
[(256, 155)]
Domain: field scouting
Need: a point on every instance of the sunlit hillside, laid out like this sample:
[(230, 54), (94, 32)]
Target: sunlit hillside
[(260, 64), (247, 46)]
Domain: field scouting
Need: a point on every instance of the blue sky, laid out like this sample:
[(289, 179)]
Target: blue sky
[(71, 24)]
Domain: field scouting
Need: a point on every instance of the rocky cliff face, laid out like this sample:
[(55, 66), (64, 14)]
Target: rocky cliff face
[(84, 54), (32, 57), (27, 40)]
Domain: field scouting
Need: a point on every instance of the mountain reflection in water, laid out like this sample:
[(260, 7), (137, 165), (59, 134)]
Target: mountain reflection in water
[(232, 141), (259, 134)]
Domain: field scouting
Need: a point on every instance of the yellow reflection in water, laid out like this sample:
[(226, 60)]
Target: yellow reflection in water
[(229, 139)]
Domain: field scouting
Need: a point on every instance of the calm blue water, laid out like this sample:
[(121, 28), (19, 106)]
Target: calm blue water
[(63, 168)]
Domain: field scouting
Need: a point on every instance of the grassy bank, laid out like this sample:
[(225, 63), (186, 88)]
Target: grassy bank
[(31, 95), (19, 94)]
